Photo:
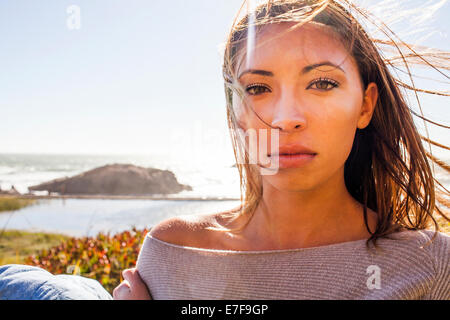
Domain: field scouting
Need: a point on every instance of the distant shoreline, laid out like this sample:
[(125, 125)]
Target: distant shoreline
[(121, 197)]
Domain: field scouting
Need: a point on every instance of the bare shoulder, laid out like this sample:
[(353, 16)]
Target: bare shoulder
[(186, 230)]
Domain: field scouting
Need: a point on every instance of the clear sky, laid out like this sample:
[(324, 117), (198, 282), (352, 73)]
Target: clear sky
[(138, 76)]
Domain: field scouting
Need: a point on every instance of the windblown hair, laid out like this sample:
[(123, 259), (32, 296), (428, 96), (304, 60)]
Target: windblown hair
[(388, 169)]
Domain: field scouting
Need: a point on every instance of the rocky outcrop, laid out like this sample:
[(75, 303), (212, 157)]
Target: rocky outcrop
[(12, 191), (116, 179)]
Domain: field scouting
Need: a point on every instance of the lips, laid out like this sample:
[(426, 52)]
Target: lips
[(292, 149)]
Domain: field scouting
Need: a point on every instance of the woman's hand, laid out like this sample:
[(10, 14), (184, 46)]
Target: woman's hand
[(132, 287)]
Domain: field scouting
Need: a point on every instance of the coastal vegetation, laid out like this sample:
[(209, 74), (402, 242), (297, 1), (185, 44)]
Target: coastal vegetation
[(11, 203), (17, 245), (102, 257)]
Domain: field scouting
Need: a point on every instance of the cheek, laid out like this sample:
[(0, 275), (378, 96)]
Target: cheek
[(242, 113), (336, 127), (245, 116)]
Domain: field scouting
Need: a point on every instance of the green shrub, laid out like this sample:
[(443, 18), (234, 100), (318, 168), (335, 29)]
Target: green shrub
[(103, 257)]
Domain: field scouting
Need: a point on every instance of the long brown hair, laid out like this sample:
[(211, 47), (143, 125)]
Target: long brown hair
[(388, 169)]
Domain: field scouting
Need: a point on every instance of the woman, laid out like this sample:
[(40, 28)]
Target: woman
[(347, 169)]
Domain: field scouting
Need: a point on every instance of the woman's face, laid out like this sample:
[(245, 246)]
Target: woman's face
[(307, 85)]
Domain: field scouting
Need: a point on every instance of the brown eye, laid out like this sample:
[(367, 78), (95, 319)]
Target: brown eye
[(324, 84), (256, 89)]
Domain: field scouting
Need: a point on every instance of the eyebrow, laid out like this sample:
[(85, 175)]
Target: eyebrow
[(302, 72)]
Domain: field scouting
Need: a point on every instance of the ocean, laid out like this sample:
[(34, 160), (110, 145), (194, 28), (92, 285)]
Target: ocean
[(24, 170), (87, 217)]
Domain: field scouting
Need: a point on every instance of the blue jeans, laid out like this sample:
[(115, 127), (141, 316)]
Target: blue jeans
[(23, 282)]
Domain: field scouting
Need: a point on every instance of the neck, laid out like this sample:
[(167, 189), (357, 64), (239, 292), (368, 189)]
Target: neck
[(323, 215)]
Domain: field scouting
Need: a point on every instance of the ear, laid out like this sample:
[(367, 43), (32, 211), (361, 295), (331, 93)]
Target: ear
[(368, 106)]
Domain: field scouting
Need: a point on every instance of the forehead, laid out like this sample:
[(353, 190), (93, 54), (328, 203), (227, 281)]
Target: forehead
[(310, 43)]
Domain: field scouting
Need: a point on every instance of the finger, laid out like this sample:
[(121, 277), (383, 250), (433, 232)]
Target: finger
[(136, 272), (129, 274), (135, 280), (122, 291)]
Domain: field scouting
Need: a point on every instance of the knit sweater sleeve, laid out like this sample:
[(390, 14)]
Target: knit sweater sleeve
[(440, 254), (144, 262)]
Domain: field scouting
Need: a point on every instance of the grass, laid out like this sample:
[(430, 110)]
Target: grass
[(11, 203), (16, 246)]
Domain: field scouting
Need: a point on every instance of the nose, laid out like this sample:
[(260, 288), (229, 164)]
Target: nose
[(289, 113)]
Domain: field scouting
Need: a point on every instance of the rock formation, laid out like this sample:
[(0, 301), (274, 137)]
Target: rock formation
[(116, 179), (12, 191)]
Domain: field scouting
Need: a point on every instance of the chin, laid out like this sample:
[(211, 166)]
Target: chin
[(290, 183)]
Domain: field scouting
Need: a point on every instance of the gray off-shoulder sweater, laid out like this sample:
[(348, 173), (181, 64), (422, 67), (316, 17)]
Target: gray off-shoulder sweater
[(400, 269)]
